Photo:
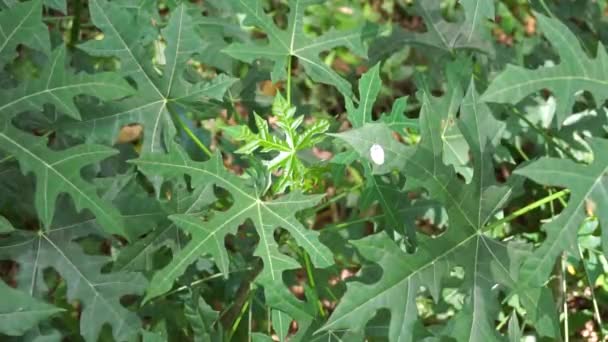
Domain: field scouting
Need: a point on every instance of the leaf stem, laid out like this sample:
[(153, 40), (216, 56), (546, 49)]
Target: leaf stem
[(58, 18), (288, 90), (514, 215), (565, 293), (75, 31), (204, 280), (528, 208), (191, 134), (338, 197), (236, 323), (7, 158), (546, 8), (311, 281), (596, 309), (548, 138)]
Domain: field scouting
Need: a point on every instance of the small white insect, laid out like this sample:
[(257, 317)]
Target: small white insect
[(377, 154)]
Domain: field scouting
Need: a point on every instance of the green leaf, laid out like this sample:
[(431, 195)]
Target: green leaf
[(441, 34), (514, 330), (588, 186), (283, 44), (362, 140), (201, 318), (59, 5), (575, 72), (5, 226), (19, 312), (59, 172), (58, 85), (370, 85), (369, 88), (470, 207), (158, 96), (396, 119), (138, 256), (22, 24), (208, 236), (98, 292)]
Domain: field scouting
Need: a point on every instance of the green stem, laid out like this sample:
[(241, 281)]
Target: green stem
[(191, 134), (204, 280), (75, 31), (514, 215), (311, 281), (596, 309), (528, 208), (549, 139), (7, 158), (288, 90), (235, 113), (236, 323), (337, 197), (58, 18), (565, 294), (546, 8)]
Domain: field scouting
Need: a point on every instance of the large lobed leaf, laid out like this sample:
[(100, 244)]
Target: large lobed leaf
[(470, 207), (59, 172), (283, 44), (441, 34), (98, 293), (207, 237), (158, 96), (22, 24), (588, 186), (575, 72), (19, 312), (58, 85), (377, 189)]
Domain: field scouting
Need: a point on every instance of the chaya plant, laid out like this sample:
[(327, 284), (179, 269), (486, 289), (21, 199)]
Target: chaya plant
[(439, 179)]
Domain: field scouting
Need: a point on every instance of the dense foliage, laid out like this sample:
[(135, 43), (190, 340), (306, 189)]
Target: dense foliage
[(303, 170)]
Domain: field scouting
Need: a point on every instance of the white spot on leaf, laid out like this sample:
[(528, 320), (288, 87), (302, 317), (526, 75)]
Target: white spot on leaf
[(377, 154)]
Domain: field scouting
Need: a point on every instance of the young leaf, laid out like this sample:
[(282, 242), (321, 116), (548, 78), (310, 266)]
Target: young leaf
[(19, 312), (294, 173), (208, 236), (22, 24), (575, 72), (59, 172), (283, 44), (98, 293)]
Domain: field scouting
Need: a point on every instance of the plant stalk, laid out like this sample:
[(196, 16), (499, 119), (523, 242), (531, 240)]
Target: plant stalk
[(565, 294), (190, 134), (236, 323), (528, 208), (596, 310), (549, 139), (75, 31), (311, 281), (288, 90)]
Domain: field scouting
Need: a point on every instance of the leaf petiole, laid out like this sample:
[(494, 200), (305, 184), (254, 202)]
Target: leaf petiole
[(191, 134)]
